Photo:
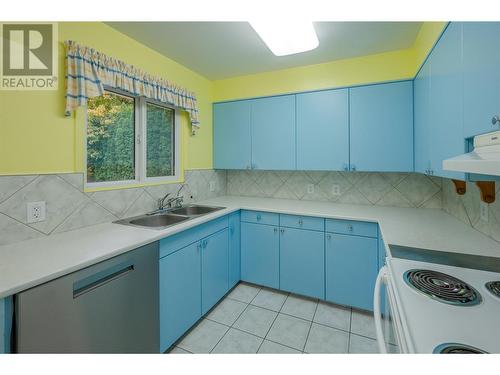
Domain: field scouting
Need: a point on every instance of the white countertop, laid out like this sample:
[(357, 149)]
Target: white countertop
[(30, 263)]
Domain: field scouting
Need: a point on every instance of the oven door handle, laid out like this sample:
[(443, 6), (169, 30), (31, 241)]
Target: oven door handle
[(381, 279)]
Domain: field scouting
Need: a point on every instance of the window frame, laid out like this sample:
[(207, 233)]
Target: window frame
[(140, 145)]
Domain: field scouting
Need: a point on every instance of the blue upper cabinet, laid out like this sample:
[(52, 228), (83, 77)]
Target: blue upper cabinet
[(446, 100), (323, 130), (481, 74), (422, 106), (232, 143), (381, 127), (273, 133)]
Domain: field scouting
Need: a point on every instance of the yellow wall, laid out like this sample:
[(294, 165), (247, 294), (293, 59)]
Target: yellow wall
[(390, 66), (35, 137)]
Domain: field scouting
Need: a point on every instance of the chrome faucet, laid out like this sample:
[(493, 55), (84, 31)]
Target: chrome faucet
[(167, 202)]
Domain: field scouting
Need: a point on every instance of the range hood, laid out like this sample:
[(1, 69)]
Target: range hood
[(485, 159)]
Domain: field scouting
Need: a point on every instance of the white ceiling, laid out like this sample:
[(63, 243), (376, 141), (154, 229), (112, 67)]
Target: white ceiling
[(218, 50)]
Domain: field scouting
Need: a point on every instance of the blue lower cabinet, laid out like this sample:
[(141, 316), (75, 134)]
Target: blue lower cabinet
[(260, 254), (302, 262), (214, 269), (351, 270), (180, 291), (234, 249), (6, 311)]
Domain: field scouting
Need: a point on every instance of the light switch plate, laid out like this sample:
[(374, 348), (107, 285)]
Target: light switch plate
[(310, 188), (35, 212), (211, 185), (483, 211), (336, 189)]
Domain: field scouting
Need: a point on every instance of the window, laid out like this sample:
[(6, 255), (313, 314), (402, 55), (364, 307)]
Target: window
[(130, 140)]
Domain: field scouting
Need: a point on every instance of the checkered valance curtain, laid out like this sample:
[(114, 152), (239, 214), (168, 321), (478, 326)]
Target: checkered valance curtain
[(88, 71)]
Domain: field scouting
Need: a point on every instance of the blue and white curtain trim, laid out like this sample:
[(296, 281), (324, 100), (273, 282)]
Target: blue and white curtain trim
[(88, 71)]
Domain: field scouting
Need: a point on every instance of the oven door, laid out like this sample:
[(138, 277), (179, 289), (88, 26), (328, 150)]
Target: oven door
[(390, 337)]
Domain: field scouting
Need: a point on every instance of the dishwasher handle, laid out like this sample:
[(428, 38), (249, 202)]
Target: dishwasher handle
[(101, 278), (381, 279)]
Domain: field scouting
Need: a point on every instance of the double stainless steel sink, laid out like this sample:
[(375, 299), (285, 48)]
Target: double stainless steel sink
[(166, 218)]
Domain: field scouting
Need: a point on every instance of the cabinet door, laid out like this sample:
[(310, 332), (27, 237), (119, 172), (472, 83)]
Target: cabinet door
[(446, 100), (6, 312), (302, 262), (422, 87), (273, 133), (481, 62), (214, 269), (232, 135), (381, 127), (323, 130), (351, 270), (260, 254), (180, 293), (234, 249)]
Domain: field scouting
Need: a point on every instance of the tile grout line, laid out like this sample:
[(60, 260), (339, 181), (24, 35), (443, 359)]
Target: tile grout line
[(310, 327), (350, 327), (272, 324)]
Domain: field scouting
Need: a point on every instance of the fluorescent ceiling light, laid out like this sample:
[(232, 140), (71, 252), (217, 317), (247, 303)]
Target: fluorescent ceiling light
[(287, 37)]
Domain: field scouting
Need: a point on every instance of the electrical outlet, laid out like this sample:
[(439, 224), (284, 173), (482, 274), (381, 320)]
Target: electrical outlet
[(310, 188), (336, 189), (35, 212), (211, 185), (483, 211)]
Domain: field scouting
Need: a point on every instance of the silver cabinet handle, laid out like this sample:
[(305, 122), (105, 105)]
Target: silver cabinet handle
[(350, 228), (275, 230), (282, 231), (259, 217), (353, 168), (204, 243), (93, 282), (231, 230), (301, 222), (495, 120), (328, 236), (346, 167)]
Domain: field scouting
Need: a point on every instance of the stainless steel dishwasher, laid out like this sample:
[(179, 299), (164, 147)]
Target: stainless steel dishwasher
[(110, 307)]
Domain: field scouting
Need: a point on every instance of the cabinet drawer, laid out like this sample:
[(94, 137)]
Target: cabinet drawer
[(302, 222), (358, 228), (178, 241), (260, 217)]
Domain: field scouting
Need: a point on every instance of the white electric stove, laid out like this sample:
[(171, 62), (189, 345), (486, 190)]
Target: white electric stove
[(436, 308)]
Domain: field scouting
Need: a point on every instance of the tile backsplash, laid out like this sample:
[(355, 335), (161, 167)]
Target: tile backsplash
[(68, 207), (466, 208), (382, 189)]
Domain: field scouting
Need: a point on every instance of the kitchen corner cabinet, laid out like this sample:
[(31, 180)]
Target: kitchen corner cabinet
[(481, 76), (302, 262), (260, 254), (214, 269), (234, 249), (351, 265), (232, 143), (273, 133), (323, 130), (381, 127)]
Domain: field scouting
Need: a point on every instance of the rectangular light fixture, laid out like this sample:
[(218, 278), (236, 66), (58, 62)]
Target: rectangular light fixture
[(287, 37)]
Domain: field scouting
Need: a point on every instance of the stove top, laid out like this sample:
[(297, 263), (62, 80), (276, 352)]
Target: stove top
[(454, 348), (493, 287), (453, 309), (442, 287)]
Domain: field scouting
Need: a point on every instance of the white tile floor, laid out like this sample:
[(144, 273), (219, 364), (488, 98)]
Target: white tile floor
[(252, 319)]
